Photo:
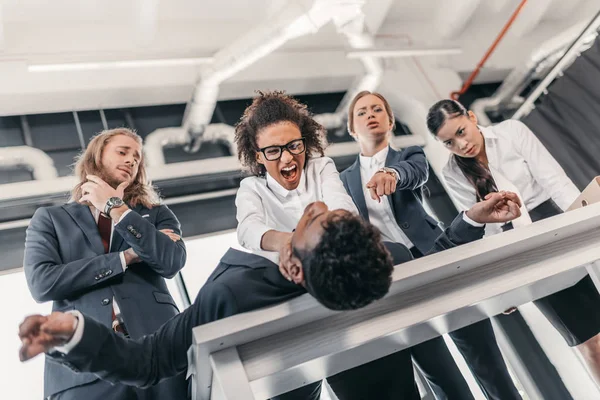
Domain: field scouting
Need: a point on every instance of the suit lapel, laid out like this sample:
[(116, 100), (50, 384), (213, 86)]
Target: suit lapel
[(391, 159), (356, 191), (83, 217)]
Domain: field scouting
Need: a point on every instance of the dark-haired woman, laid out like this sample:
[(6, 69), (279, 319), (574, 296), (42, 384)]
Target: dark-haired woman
[(508, 156), (385, 184)]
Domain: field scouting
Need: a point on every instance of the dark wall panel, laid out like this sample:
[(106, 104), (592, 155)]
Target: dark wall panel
[(10, 132), (54, 131), (91, 124), (149, 119)]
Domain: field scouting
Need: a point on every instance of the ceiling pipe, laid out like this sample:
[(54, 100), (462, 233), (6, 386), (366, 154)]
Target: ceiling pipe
[(508, 94), (471, 78), (567, 59), (296, 18), (37, 161), (155, 142), (355, 29)]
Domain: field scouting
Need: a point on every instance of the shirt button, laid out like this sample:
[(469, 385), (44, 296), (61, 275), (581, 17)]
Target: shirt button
[(105, 302)]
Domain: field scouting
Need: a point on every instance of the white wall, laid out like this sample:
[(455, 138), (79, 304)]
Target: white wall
[(18, 380)]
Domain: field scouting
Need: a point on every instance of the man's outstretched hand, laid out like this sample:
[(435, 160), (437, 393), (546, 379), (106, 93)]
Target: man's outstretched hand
[(40, 333), (497, 207)]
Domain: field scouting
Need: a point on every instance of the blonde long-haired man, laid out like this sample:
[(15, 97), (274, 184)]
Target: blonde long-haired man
[(105, 253)]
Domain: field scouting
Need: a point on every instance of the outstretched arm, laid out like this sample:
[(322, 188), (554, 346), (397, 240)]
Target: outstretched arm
[(469, 226), (143, 362)]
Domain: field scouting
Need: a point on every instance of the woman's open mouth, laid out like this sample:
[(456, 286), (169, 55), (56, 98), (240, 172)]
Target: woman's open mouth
[(290, 173)]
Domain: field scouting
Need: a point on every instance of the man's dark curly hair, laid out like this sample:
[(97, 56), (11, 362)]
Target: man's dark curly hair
[(350, 267), (269, 108)]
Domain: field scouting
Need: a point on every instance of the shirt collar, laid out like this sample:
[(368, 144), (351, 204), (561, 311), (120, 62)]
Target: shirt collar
[(283, 192), (378, 159), (487, 132)]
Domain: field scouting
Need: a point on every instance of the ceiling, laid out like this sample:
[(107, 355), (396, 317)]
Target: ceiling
[(34, 32)]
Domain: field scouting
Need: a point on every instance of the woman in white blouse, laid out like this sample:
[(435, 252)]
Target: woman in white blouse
[(508, 156), (282, 146)]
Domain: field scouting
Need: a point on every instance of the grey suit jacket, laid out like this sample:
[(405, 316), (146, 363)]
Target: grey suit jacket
[(65, 263), (241, 282), (411, 217)]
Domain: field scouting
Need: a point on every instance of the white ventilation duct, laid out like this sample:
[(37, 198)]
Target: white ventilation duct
[(40, 163), (171, 137), (354, 28), (452, 21), (545, 56), (296, 18)]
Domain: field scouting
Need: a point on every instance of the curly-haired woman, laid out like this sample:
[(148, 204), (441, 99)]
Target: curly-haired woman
[(282, 146)]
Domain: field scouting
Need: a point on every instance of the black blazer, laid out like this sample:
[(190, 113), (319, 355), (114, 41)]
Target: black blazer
[(241, 282), (65, 263), (411, 217)]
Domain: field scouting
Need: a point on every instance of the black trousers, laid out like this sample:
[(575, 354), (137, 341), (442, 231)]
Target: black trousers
[(172, 388), (387, 378), (477, 344)]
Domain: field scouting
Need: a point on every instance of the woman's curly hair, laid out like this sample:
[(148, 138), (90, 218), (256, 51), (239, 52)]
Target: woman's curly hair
[(269, 108)]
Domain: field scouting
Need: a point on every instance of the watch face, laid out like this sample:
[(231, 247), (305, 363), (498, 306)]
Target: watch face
[(115, 201)]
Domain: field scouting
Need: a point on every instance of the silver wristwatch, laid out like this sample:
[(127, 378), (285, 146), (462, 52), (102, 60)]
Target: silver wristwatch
[(390, 171), (112, 203)]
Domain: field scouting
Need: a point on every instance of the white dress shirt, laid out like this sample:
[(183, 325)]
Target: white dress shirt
[(79, 326), (380, 213), (264, 205), (518, 162), (96, 215)]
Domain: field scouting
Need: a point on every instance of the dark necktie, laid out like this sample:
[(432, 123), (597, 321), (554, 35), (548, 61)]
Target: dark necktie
[(105, 229)]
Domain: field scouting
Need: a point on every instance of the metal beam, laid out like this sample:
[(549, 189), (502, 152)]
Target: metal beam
[(288, 345), (567, 58)]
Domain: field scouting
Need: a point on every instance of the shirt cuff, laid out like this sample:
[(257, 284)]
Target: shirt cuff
[(253, 241), (399, 174), (123, 263), (123, 216), (77, 335), (470, 221)]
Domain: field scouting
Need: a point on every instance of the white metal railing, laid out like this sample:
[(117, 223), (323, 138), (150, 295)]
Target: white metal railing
[(262, 353)]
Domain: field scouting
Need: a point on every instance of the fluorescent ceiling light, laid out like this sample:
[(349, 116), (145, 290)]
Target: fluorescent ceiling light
[(91, 66), (408, 52)]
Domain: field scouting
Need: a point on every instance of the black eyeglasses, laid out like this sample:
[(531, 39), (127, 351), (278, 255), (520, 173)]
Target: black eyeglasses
[(294, 147)]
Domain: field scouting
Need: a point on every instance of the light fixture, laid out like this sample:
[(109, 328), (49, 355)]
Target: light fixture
[(407, 52), (101, 65)]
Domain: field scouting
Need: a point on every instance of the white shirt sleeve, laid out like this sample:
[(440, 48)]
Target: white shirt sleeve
[(544, 168), (121, 254), (334, 193), (123, 216), (251, 217), (122, 258), (462, 193), (77, 335), (470, 221)]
